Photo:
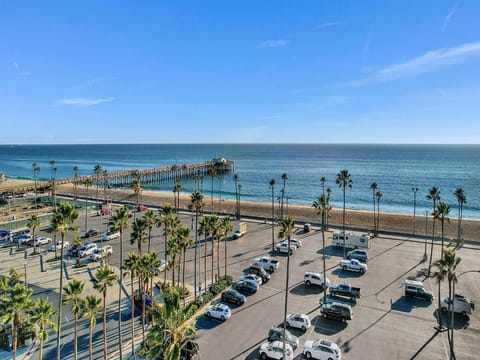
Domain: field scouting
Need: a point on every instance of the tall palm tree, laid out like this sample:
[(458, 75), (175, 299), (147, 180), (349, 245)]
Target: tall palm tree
[(151, 220), (119, 222), (205, 230), (284, 178), (104, 278), (446, 270), (17, 301), (41, 315), (64, 219), (441, 213), (461, 200), (36, 170), (88, 183), (196, 203), (167, 213), (378, 195), (374, 188), (272, 187), (185, 242), (212, 171), (32, 223), (91, 310), (329, 192), (235, 179), (343, 180), (97, 170), (75, 182), (434, 196), (139, 234), (287, 227), (177, 191), (214, 227), (72, 294), (226, 227), (173, 251), (131, 265)]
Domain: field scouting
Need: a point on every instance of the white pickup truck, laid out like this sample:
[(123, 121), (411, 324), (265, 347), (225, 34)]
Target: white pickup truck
[(461, 305), (267, 263), (353, 265)]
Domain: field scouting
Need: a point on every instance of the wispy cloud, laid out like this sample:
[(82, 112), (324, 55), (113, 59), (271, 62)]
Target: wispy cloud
[(15, 65), (91, 82), (448, 18), (83, 102), (272, 43), (430, 61), (329, 24)]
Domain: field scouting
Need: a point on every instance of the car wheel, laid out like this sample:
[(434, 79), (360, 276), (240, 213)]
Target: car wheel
[(444, 309), (208, 314), (222, 318), (308, 283), (344, 268), (304, 328), (263, 356), (271, 268), (362, 271), (344, 320), (308, 355), (324, 315), (464, 313), (330, 359)]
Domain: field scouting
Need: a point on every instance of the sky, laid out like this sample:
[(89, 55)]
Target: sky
[(85, 72)]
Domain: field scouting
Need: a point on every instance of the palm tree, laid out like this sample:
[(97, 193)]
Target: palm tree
[(167, 213), (97, 170), (446, 270), (151, 221), (214, 228), (75, 181), (104, 278), (88, 183), (73, 295), (323, 207), (196, 203), (176, 190), (131, 265), (284, 178), (36, 170), (343, 180), (378, 195), (226, 227), (287, 228), (212, 171), (374, 188), (434, 195), (272, 187), (461, 200), (119, 222), (322, 182), (139, 234), (90, 309), (441, 213), (42, 315), (235, 179), (63, 218), (205, 230), (185, 242), (329, 192), (32, 223)]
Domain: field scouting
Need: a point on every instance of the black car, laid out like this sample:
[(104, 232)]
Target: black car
[(276, 334), (338, 311), (233, 296), (245, 286), (91, 232), (73, 251), (260, 271)]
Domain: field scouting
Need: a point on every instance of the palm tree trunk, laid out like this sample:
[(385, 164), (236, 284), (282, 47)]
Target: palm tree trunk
[(285, 312), (344, 235), (75, 337), (59, 319), (205, 262), (324, 268), (119, 308), (183, 275), (213, 255), (105, 351), (132, 311), (431, 248), (90, 340), (218, 256), (40, 349), (15, 336), (225, 255), (166, 254)]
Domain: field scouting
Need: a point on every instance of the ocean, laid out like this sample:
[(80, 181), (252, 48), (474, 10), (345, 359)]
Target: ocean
[(395, 168)]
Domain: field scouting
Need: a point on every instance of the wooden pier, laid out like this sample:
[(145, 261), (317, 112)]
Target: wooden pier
[(127, 177)]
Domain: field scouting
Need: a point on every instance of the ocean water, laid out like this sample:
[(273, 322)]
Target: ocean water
[(395, 168)]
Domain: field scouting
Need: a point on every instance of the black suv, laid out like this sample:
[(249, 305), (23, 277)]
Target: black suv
[(260, 271), (73, 251), (276, 333), (245, 286), (233, 296), (360, 255), (337, 311), (91, 232)]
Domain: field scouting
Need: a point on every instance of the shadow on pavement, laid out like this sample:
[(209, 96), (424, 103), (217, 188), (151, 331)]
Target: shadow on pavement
[(302, 289), (345, 274), (459, 321), (405, 304), (331, 250), (203, 322), (327, 326)]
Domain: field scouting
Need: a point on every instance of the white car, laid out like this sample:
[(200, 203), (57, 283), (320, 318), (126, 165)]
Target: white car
[(100, 253), (110, 235), (321, 350), (296, 242), (274, 350), (353, 265), (161, 267), (311, 278), (58, 245), (299, 321), (254, 279), (218, 311), (24, 239), (42, 240), (87, 249), (283, 247)]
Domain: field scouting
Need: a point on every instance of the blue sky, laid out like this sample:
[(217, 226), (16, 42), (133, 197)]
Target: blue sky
[(365, 71)]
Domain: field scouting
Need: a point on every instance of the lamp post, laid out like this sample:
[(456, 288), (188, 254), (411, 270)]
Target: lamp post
[(426, 230), (414, 189)]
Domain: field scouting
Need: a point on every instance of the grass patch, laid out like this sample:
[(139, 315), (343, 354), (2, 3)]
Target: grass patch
[(79, 265), (53, 259), (20, 249)]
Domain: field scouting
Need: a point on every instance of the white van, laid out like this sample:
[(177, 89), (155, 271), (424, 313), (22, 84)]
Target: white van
[(240, 230)]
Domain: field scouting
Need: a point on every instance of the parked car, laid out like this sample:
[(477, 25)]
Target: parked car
[(257, 280), (42, 240), (284, 248), (110, 235), (415, 289), (245, 286), (306, 227), (299, 321), (86, 250), (259, 271), (160, 268), (359, 254), (233, 296), (58, 245), (24, 239), (311, 278), (4, 233), (345, 289), (353, 265), (91, 233), (104, 212), (461, 305), (296, 242), (218, 311), (142, 208), (321, 350), (267, 263), (338, 311), (73, 250), (276, 333), (274, 350), (100, 253)]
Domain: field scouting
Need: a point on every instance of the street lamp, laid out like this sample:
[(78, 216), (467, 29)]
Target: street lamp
[(426, 230), (414, 189)]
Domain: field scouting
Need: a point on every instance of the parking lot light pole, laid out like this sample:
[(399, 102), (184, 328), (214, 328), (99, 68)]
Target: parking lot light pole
[(414, 189)]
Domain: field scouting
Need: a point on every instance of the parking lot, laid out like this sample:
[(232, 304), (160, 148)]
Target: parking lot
[(385, 324)]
